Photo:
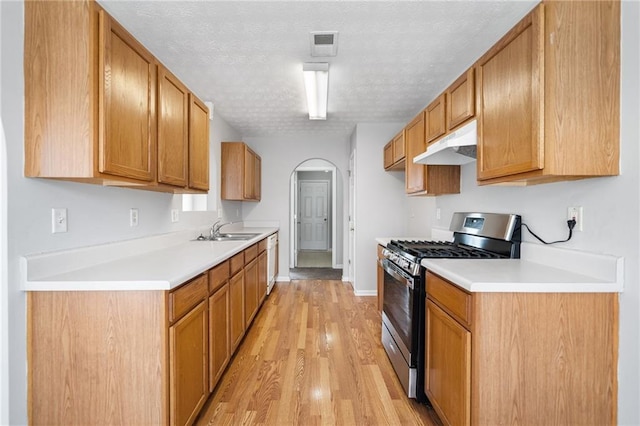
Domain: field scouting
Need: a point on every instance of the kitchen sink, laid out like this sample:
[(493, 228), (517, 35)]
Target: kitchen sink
[(228, 237)]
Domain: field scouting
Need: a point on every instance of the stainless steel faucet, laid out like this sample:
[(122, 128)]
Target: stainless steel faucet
[(215, 228)]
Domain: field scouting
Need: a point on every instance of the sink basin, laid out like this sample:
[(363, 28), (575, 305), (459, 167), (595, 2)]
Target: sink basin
[(228, 237)]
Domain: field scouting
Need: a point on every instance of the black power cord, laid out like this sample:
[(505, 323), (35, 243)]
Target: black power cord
[(570, 223)]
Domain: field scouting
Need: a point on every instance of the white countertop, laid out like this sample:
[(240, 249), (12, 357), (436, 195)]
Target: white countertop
[(154, 263), (541, 269), (516, 276)]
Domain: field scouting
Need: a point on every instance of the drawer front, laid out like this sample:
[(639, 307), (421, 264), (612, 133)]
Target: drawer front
[(218, 276), (262, 245), (250, 253), (187, 296), (380, 248), (236, 263), (451, 298)]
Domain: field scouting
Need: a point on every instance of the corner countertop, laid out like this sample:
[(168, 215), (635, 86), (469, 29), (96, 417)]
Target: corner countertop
[(154, 263)]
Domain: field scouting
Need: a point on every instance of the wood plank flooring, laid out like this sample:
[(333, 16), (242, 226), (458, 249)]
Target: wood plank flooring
[(313, 357)]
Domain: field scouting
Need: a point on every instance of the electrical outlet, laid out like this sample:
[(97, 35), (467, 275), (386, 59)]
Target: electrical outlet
[(175, 215), (58, 220), (575, 213), (133, 217), (438, 213), (219, 213)]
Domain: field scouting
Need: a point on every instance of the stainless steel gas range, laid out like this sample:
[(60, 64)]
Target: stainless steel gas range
[(475, 236)]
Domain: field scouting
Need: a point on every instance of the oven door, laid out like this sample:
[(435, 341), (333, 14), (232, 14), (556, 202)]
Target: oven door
[(399, 310)]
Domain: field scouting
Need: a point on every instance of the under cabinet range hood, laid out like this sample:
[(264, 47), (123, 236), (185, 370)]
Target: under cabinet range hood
[(458, 147)]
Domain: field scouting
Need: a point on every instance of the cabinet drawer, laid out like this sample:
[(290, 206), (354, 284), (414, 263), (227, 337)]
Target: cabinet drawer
[(187, 296), (250, 253), (218, 276), (262, 245), (380, 248), (236, 263), (451, 298)]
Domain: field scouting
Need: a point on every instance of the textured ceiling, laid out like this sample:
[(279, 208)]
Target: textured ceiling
[(246, 57)]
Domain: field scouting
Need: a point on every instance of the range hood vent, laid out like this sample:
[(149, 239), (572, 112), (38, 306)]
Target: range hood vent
[(458, 147), (324, 43)]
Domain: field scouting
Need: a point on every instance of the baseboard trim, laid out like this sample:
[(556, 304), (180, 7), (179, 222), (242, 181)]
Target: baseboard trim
[(365, 292), (283, 279)]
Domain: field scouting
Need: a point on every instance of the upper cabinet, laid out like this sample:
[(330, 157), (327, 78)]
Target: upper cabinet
[(394, 153), (435, 119), (198, 144), (549, 95), (126, 104), (99, 108), (173, 129), (241, 172), (426, 180), (461, 100)]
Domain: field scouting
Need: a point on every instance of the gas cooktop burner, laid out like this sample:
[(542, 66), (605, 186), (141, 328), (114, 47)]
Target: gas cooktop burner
[(440, 249)]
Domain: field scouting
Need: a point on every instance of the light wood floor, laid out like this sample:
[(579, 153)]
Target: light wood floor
[(313, 356)]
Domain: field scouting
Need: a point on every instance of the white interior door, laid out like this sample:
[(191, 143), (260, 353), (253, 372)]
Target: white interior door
[(314, 223)]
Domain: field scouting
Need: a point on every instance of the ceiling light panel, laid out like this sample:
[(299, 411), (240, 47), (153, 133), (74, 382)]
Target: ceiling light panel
[(316, 84)]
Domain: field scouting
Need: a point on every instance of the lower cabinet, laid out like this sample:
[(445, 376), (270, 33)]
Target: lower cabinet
[(219, 323), (527, 358), (188, 358), (262, 277), (250, 291), (448, 366), (138, 357), (236, 306)]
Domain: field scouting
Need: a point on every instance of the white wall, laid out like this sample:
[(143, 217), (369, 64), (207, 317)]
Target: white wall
[(280, 156), (96, 214), (381, 205), (611, 212), (4, 305)]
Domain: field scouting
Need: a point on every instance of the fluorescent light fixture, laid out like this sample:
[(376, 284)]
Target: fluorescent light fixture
[(316, 84)]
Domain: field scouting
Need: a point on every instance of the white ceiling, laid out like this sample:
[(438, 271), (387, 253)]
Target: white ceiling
[(246, 57)]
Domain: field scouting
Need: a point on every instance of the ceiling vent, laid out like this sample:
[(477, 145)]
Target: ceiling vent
[(324, 43)]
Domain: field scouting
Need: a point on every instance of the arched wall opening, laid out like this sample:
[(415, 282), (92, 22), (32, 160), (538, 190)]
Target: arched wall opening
[(314, 218)]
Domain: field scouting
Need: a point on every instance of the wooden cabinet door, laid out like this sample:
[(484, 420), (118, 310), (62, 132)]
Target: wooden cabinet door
[(249, 174), (447, 380), (415, 175), (257, 178), (236, 307), (198, 144), (250, 291), (188, 359), (127, 104), (262, 277), (398, 147), (219, 334), (461, 99), (241, 172), (435, 119), (510, 84), (173, 129), (388, 155)]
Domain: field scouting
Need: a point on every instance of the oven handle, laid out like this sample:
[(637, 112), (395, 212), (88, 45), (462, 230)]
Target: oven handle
[(390, 269)]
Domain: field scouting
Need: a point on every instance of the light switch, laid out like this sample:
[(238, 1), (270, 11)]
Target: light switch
[(58, 220)]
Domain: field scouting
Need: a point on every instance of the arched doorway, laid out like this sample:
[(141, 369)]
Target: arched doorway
[(314, 220)]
